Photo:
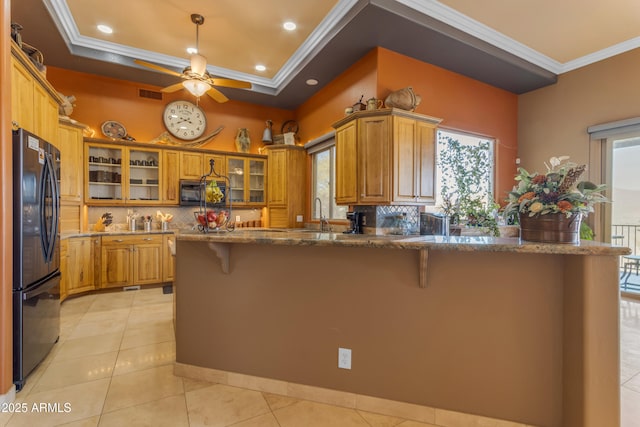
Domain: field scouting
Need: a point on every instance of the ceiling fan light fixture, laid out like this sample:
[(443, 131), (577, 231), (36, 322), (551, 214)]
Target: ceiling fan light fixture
[(196, 87), (198, 64)]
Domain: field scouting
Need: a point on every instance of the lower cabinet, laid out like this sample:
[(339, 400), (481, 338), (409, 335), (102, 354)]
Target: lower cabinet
[(168, 260), (78, 258), (131, 260)]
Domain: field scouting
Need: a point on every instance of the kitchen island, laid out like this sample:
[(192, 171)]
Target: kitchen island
[(441, 328)]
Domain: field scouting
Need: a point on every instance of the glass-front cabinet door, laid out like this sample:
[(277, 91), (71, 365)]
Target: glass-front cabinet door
[(144, 176), (256, 181), (104, 174), (236, 171), (247, 178), (122, 175)]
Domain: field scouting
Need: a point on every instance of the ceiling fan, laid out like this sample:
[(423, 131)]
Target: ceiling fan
[(196, 78)]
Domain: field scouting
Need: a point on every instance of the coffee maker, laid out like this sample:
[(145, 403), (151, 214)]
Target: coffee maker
[(357, 221)]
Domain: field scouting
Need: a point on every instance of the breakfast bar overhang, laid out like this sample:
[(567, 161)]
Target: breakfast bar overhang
[(480, 326)]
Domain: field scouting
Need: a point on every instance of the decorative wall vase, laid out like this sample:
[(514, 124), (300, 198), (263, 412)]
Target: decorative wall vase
[(550, 228), (243, 142), (404, 99)]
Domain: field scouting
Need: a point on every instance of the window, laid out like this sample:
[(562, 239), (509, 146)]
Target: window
[(323, 160), (465, 168)]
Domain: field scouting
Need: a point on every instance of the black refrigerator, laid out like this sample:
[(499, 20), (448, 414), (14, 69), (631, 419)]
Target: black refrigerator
[(36, 252)]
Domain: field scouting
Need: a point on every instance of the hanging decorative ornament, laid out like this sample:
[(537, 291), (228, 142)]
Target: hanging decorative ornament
[(267, 134)]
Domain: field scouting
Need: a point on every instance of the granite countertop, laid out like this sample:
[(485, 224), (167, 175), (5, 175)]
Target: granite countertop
[(114, 233), (453, 243)]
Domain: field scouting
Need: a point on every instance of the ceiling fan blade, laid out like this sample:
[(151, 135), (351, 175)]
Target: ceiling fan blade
[(217, 95), (173, 88), (156, 67), (231, 83)]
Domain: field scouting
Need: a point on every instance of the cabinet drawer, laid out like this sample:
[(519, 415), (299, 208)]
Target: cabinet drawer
[(132, 240)]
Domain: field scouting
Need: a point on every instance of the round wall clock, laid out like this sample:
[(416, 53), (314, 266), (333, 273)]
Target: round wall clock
[(184, 120), (113, 129)]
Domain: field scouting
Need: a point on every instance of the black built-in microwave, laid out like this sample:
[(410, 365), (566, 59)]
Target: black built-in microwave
[(191, 192)]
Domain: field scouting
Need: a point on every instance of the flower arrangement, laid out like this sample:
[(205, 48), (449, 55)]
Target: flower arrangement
[(557, 191)]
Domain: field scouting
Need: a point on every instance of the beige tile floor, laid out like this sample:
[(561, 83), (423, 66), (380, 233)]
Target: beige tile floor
[(113, 366)]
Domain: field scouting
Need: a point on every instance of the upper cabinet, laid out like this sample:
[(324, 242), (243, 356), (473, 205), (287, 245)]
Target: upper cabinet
[(193, 165), (286, 174), (71, 147), (385, 157), (247, 178), (119, 175), (142, 174), (34, 102)]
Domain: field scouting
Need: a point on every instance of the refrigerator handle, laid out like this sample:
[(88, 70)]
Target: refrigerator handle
[(44, 238), (55, 191), (53, 183), (42, 288)]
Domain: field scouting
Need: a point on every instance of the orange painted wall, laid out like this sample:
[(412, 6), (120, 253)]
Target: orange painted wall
[(101, 98), (463, 103), (318, 113)]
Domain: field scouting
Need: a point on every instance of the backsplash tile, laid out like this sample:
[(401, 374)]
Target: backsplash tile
[(387, 219), (183, 217)]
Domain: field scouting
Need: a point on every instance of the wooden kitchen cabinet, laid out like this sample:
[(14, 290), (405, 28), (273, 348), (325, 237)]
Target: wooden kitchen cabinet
[(131, 260), (414, 171), (123, 175), (286, 195), (70, 176), (219, 163), (385, 157), (247, 176), (34, 102), (71, 163), (347, 164), (194, 165), (191, 165), (374, 159), (168, 260), (170, 177), (78, 259)]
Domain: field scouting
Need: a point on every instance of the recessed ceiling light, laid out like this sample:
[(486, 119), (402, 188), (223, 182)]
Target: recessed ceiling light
[(192, 50), (260, 68), (289, 26), (105, 29), (312, 82)]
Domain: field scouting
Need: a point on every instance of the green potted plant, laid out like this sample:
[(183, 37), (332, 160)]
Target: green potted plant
[(466, 174)]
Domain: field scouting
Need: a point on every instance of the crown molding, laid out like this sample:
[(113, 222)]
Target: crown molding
[(600, 55), (84, 45), (457, 20)]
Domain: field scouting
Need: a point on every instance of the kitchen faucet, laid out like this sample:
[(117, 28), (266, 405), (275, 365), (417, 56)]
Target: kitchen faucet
[(324, 223)]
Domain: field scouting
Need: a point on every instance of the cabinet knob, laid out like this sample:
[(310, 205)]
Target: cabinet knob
[(147, 238), (119, 240)]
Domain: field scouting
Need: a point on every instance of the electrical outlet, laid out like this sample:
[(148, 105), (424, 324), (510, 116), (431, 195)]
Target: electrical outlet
[(237, 218), (344, 358), (299, 218)]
